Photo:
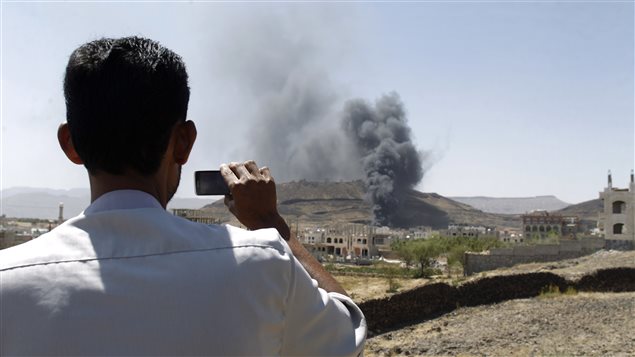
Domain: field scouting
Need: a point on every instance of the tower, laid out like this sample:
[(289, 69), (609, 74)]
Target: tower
[(60, 219)]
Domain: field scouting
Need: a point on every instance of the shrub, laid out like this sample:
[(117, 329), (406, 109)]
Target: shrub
[(393, 285), (552, 291)]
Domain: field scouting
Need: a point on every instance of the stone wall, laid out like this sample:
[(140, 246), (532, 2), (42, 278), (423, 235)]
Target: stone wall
[(507, 257), (430, 301), (410, 306), (614, 244)]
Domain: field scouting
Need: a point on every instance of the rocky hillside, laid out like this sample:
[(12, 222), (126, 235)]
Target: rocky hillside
[(341, 202), (587, 210)]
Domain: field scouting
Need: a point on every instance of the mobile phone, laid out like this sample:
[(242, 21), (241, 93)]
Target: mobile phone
[(210, 183)]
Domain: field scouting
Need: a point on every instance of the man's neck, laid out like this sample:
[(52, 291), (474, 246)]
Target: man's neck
[(103, 183)]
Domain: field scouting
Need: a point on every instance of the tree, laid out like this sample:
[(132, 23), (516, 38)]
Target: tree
[(403, 250), (421, 251), (425, 252)]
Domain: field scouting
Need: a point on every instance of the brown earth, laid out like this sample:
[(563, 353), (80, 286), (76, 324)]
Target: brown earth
[(580, 324)]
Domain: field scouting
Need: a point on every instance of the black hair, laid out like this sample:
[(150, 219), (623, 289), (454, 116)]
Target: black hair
[(123, 97)]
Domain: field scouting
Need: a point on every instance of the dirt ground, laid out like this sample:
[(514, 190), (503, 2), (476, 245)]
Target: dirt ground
[(581, 324), (367, 288), (585, 324)]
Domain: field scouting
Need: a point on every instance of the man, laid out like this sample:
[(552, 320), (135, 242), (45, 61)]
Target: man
[(125, 277)]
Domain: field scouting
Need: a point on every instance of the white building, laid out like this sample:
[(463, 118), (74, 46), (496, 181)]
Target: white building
[(617, 222)]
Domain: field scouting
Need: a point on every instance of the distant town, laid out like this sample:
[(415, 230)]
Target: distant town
[(346, 241)]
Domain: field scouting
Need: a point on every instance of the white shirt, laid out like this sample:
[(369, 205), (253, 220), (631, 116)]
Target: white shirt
[(126, 277)]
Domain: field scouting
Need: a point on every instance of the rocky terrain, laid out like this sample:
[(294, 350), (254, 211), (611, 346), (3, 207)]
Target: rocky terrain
[(587, 210), (584, 324), (343, 202), (572, 323)]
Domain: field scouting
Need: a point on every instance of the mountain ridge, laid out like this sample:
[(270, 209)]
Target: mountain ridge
[(305, 201), (321, 203), (43, 203), (513, 205)]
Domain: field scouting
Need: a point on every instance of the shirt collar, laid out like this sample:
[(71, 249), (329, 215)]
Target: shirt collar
[(123, 199)]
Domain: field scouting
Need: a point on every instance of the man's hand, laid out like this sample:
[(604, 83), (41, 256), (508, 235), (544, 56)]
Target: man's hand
[(253, 201), (253, 196)]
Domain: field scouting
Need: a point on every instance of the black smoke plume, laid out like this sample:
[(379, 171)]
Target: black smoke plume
[(391, 162), (280, 63)]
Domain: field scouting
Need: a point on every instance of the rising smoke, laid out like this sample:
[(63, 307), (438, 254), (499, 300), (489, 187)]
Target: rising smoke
[(390, 161), (298, 127)]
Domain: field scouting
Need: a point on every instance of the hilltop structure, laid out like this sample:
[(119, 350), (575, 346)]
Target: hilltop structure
[(617, 221)]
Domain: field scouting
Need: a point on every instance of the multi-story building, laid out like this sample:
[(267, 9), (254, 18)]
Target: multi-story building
[(195, 215), (421, 232), (540, 224), (468, 230), (347, 240), (617, 221), (510, 236)]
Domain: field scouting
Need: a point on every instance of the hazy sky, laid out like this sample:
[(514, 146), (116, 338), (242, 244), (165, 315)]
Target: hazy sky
[(506, 99)]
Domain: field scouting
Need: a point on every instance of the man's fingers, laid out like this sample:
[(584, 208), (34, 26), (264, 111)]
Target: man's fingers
[(264, 171), (253, 168), (243, 173), (240, 171), (228, 175)]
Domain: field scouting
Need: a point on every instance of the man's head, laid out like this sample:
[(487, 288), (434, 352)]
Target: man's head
[(126, 104), (123, 97)]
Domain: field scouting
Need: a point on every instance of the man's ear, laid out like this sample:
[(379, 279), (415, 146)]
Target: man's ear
[(66, 143), (184, 136)]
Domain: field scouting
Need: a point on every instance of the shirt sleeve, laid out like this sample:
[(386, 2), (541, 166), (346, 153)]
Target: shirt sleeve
[(318, 323)]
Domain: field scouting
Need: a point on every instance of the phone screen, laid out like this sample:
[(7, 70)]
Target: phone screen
[(210, 183)]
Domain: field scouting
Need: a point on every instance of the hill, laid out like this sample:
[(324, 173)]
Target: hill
[(513, 205), (587, 210), (343, 202), (43, 203)]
